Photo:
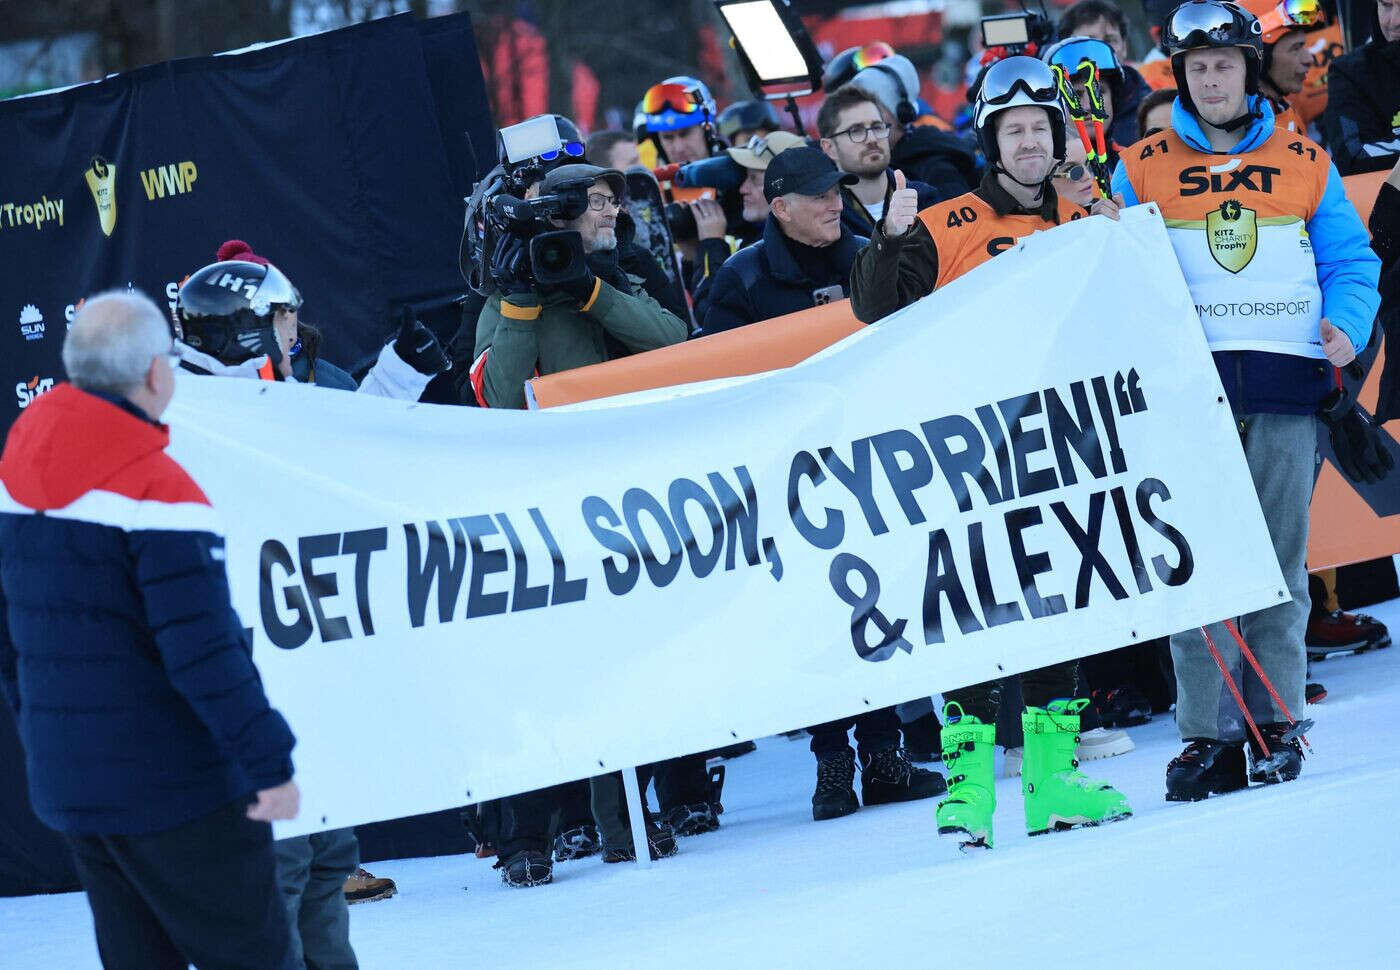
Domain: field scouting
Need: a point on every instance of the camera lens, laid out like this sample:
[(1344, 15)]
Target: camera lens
[(682, 222), (552, 256)]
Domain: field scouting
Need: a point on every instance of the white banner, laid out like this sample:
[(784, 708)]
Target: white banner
[(450, 605)]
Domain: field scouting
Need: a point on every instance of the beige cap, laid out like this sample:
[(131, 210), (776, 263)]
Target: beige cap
[(761, 149)]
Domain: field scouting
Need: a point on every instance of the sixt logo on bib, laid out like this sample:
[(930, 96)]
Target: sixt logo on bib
[(1229, 177)]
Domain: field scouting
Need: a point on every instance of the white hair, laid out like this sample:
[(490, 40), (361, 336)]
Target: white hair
[(114, 338)]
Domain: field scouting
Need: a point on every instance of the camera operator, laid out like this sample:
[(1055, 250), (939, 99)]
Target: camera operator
[(600, 314)]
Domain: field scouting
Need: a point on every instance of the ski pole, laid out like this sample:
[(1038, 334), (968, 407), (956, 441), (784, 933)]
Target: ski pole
[(1080, 116), (1268, 684), (1235, 693)]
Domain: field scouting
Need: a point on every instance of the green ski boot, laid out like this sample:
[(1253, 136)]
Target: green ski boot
[(1057, 795), (968, 747)]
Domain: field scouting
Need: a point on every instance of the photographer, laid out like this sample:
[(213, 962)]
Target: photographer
[(598, 314)]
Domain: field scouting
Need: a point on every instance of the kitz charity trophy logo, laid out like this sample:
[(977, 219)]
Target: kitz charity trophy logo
[(101, 179)]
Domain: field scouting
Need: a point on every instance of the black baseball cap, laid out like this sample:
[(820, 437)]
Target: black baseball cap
[(804, 170)]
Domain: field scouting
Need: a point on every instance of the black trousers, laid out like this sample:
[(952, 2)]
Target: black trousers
[(875, 731), (1038, 688), (202, 893)]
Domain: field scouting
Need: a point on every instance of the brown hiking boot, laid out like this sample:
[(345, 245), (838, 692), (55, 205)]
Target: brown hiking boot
[(364, 887)]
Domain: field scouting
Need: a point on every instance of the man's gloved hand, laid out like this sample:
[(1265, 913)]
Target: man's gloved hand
[(510, 266), (581, 287), (1355, 439), (418, 347)]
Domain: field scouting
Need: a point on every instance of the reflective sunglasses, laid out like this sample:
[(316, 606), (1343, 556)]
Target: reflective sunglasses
[(1072, 173)]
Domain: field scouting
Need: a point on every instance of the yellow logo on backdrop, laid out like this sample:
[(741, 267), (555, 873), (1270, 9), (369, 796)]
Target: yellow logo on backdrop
[(101, 179)]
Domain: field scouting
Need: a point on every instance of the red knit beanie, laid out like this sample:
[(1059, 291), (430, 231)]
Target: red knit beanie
[(238, 249)]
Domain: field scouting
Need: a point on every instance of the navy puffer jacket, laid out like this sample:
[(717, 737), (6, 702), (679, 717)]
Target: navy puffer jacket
[(131, 678)]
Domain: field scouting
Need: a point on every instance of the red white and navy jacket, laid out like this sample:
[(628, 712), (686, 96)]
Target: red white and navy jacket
[(130, 675)]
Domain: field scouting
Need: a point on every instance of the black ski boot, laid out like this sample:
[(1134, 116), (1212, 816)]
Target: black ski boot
[(1206, 767), (835, 795), (1285, 760), (660, 840), (887, 776), (696, 818), (526, 868), (577, 843), (922, 742)]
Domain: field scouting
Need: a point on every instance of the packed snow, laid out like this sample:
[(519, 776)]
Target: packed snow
[(1293, 875)]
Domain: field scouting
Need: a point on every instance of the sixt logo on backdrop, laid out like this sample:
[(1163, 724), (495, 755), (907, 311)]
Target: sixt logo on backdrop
[(27, 391), (31, 323)]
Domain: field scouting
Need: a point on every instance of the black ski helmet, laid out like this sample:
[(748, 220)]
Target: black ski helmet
[(1201, 24), (226, 310)]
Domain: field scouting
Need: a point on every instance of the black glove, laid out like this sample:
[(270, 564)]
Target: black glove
[(510, 266), (1355, 439), (580, 287), (419, 348)]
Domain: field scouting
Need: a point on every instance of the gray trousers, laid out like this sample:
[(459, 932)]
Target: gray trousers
[(311, 873), (1281, 451)]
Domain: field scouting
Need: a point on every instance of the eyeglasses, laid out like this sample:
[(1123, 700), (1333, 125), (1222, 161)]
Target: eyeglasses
[(858, 133), (680, 98), (574, 149), (1071, 173), (597, 201)]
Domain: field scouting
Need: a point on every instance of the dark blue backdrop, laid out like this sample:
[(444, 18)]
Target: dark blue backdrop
[(342, 157)]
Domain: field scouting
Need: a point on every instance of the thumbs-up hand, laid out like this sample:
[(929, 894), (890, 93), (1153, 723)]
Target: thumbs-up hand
[(1336, 345), (903, 207)]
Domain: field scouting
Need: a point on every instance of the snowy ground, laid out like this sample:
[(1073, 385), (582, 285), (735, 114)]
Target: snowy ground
[(1295, 875)]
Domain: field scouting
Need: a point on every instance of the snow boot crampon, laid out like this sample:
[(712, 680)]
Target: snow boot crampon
[(888, 776), (835, 796), (526, 868), (1206, 767), (968, 749), (1285, 760), (1057, 795)]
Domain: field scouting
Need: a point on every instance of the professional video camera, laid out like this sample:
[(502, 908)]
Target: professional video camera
[(498, 206), (1009, 34)]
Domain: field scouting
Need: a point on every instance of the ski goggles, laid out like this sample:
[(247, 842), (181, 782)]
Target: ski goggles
[(1209, 23), (573, 149), (1011, 76), (1071, 55), (678, 98), (872, 53), (1289, 13)]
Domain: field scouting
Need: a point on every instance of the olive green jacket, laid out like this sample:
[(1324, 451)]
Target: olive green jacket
[(538, 334)]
